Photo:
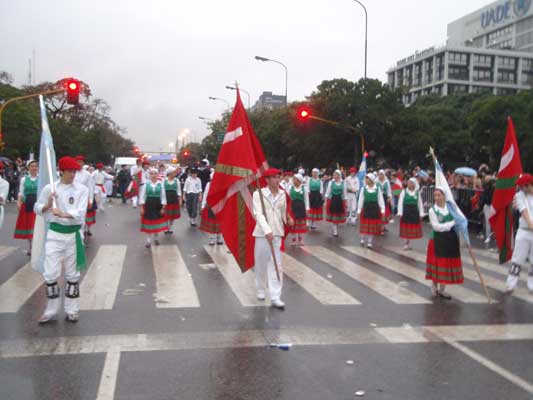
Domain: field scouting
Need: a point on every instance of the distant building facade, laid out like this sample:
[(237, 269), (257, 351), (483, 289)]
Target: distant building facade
[(269, 100)]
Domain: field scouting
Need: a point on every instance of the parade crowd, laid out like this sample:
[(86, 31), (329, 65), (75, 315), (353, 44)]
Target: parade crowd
[(294, 201)]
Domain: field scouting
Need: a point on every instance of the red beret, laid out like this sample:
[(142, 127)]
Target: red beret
[(80, 158), (353, 170), (146, 162), (525, 179), (68, 163), (99, 165), (271, 172), (291, 173)]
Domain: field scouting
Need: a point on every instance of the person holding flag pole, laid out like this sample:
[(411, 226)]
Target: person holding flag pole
[(444, 264)]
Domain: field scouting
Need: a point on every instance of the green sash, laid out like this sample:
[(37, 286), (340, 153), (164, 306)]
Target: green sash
[(81, 262)]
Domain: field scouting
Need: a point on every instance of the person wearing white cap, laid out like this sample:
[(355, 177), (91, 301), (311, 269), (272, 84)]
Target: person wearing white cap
[(336, 202), (384, 185), (173, 194), (370, 209), (299, 207), (316, 201), (410, 211), (352, 187), (153, 199)]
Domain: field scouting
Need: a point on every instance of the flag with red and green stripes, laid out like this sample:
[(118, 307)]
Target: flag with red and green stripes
[(501, 215)]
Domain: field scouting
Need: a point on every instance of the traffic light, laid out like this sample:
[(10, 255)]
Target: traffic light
[(303, 113), (136, 150), (186, 153), (73, 91)]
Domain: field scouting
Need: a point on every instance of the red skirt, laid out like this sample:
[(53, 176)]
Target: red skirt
[(410, 231), (173, 211), (443, 270), (90, 217), (386, 217), (154, 225), (336, 218), (132, 190), (315, 214), (370, 226), (25, 223), (300, 226), (208, 223)]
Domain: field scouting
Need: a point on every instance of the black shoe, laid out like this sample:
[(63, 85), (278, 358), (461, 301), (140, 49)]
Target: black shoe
[(88, 233), (444, 296)]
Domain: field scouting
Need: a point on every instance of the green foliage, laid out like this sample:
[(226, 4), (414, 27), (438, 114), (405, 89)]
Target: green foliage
[(464, 130)]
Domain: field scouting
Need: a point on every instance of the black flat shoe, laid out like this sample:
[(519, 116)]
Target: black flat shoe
[(444, 296)]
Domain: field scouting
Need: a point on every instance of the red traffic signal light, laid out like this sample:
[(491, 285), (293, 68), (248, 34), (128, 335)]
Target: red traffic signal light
[(136, 150), (185, 153), (73, 91), (303, 113)]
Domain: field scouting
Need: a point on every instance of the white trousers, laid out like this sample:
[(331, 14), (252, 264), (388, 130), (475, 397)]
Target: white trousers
[(265, 272), (352, 206), (486, 214), (60, 249), (135, 201), (523, 248)]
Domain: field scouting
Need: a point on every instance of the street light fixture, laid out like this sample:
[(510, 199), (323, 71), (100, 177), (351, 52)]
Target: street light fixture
[(366, 33), (242, 90), (205, 119), (219, 99), (259, 58)]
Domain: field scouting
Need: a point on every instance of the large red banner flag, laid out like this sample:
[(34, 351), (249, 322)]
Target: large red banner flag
[(240, 163), (501, 215)]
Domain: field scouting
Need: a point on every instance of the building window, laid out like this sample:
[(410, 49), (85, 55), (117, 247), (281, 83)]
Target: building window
[(481, 89), (457, 58), (507, 62), (524, 25), (506, 77), (527, 78), (457, 89), (482, 60), (482, 75), (439, 60), (505, 31), (505, 91), (458, 73), (524, 40)]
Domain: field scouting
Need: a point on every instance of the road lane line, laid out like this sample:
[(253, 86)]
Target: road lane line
[(5, 251), (372, 280), (108, 379), (317, 286), (242, 285), (99, 286), (19, 288), (469, 273), (175, 287), (459, 292)]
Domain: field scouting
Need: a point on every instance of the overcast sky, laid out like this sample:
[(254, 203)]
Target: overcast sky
[(157, 62)]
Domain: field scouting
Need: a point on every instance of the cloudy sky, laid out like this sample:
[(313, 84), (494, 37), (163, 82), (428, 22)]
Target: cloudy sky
[(157, 62)]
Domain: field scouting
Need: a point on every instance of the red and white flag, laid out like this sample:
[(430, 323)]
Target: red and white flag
[(240, 163)]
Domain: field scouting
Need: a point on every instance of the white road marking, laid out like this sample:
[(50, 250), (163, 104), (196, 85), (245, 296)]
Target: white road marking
[(108, 379), (459, 292), (372, 280), (242, 285), (5, 251), (19, 288), (99, 287), (175, 287), (317, 286)]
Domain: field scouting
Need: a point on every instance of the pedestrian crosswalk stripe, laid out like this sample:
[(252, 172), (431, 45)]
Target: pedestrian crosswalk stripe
[(372, 280), (469, 273), (317, 286), (242, 285), (18, 289), (6, 251), (99, 286), (459, 292), (487, 253), (175, 287)]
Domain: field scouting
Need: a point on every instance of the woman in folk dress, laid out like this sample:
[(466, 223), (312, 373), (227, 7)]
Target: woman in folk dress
[(299, 207), (26, 199), (316, 201), (370, 209), (152, 199), (173, 195), (410, 211), (336, 196)]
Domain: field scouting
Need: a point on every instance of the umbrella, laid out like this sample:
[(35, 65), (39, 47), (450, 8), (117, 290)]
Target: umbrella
[(6, 160), (466, 171), (422, 174)]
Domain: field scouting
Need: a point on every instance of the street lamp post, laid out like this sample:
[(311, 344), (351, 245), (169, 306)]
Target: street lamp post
[(205, 119), (219, 99), (284, 66), (366, 33), (242, 90)]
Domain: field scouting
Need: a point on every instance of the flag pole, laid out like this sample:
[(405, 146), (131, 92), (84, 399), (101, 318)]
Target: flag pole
[(469, 247), (52, 178), (264, 213)]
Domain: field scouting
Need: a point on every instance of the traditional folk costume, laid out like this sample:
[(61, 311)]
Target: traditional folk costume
[(153, 200), (63, 246), (299, 207), (193, 194), (336, 202), (208, 221), (371, 207), (386, 191), (352, 188), (173, 194), (26, 217), (83, 177), (108, 184), (443, 259), (410, 211), (316, 201), (4, 191), (286, 182), (138, 179), (271, 221), (99, 177), (523, 247)]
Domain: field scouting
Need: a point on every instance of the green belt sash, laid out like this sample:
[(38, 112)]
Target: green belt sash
[(81, 262)]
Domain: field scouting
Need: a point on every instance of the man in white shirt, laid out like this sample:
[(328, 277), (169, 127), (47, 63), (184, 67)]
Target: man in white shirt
[(83, 177), (64, 213), (193, 195), (4, 190), (352, 189), (99, 178), (269, 231)]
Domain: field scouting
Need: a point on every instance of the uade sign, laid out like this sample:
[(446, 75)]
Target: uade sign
[(504, 11)]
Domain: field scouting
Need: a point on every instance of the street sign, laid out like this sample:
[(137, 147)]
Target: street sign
[(220, 137)]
